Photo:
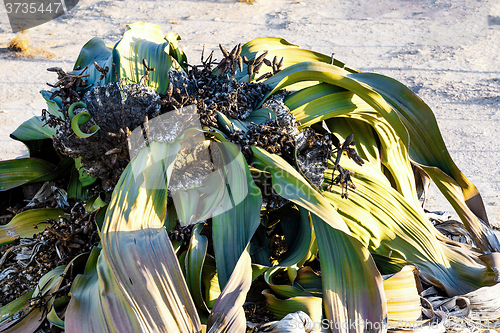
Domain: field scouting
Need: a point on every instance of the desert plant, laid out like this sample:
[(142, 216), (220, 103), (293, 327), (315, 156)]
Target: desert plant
[(310, 161)]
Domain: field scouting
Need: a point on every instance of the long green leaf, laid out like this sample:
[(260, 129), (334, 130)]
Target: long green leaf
[(174, 50), (330, 105), (95, 50), (97, 304), (426, 147), (143, 41), (195, 258), (251, 48), (283, 290), (75, 187), (27, 324), (53, 105), (54, 318), (15, 306), (83, 176), (309, 280), (352, 286), (210, 282), (350, 276), (28, 223), (22, 171), (322, 72), (481, 231), (291, 185), (387, 224), (227, 315), (137, 247), (418, 120), (233, 228), (291, 53), (36, 134), (309, 94), (299, 237), (33, 129), (14, 173), (311, 305), (393, 155)]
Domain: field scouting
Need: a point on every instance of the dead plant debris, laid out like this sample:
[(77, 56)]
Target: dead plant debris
[(25, 261)]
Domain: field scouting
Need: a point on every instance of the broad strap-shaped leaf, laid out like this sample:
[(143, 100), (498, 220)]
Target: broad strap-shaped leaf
[(309, 94), (301, 282), (95, 50), (392, 100), (199, 203), (83, 176), (227, 315), (233, 228), (21, 171), (387, 224), (259, 247), (403, 300), (322, 72), (388, 97), (298, 230), (54, 318), (137, 247), (352, 285), (95, 202), (287, 290), (210, 282), (33, 129), (291, 53), (388, 265), (35, 133), (97, 303), (323, 104), (174, 50), (27, 324), (54, 105), (251, 48), (143, 41), (479, 229), (345, 289), (75, 187), (366, 137), (79, 180), (20, 304), (311, 305), (426, 147), (260, 116), (290, 184), (28, 223), (393, 155), (195, 259), (309, 280)]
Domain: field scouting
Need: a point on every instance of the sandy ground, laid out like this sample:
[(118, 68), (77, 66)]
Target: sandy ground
[(447, 51)]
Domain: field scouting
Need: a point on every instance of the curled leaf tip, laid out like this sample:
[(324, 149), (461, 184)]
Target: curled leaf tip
[(73, 106)]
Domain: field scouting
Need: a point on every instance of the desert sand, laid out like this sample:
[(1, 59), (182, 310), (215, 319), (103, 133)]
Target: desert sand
[(446, 51)]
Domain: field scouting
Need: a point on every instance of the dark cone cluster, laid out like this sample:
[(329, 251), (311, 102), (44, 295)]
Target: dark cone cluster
[(225, 95), (116, 110), (119, 109), (313, 152)]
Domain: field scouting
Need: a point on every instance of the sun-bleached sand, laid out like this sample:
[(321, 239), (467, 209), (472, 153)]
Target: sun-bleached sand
[(445, 51)]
